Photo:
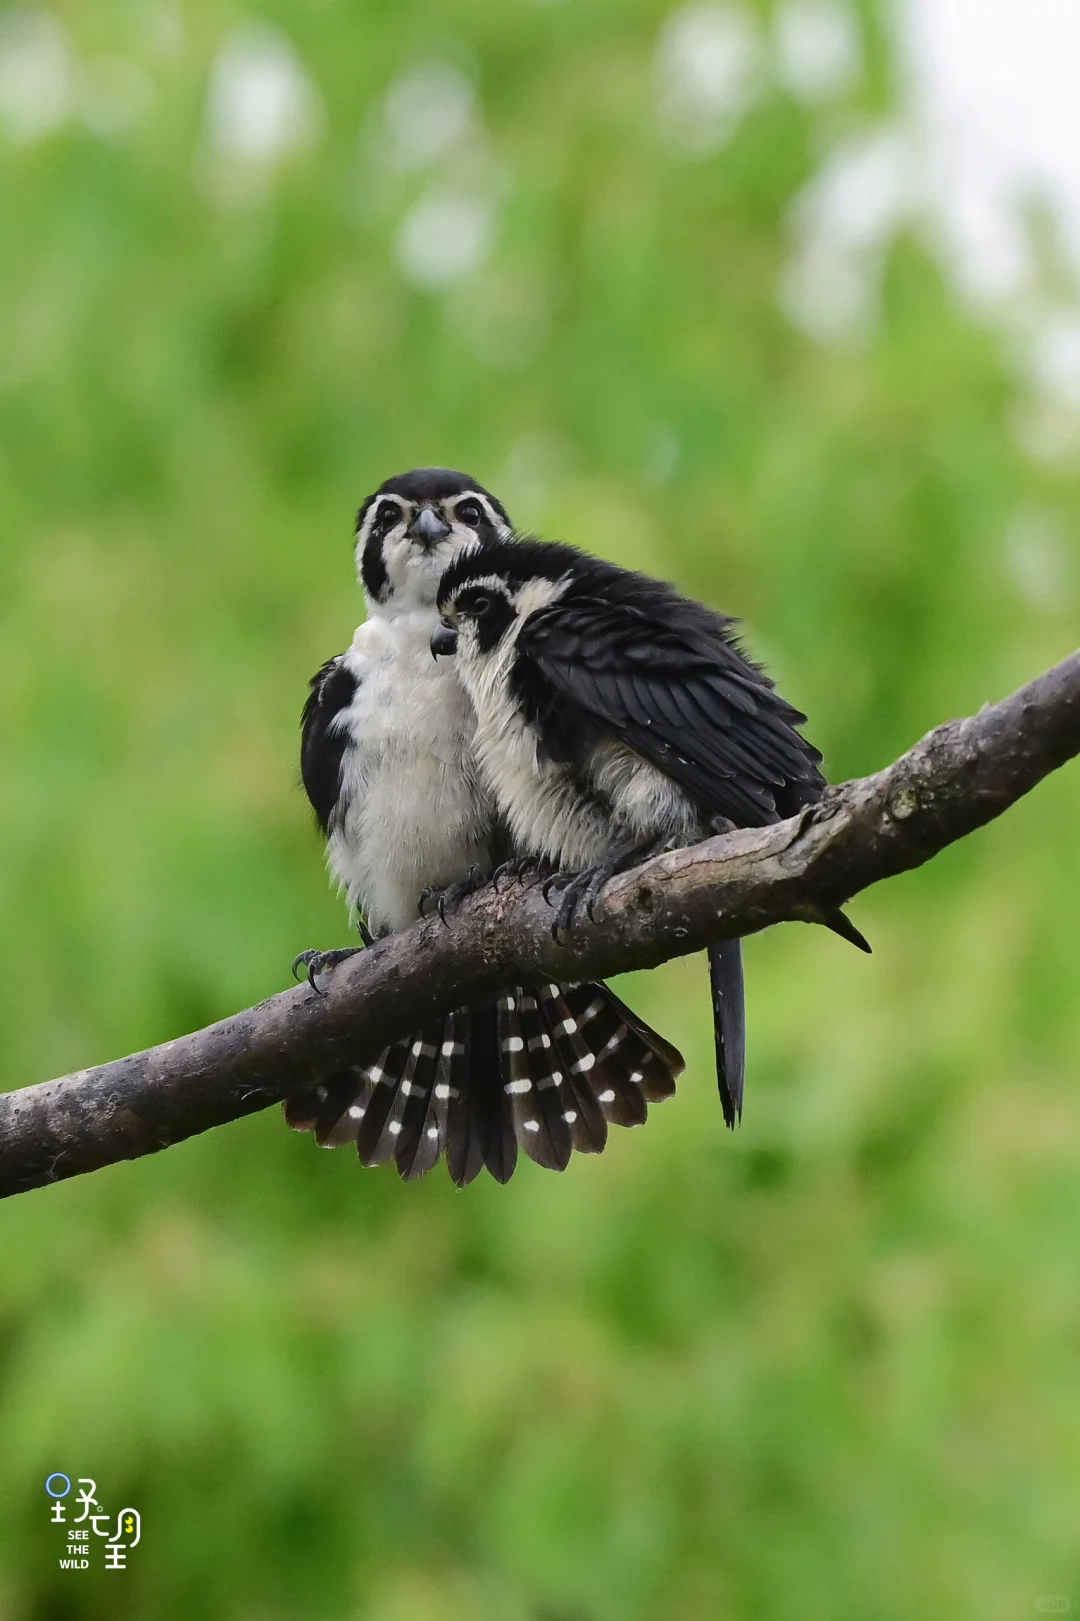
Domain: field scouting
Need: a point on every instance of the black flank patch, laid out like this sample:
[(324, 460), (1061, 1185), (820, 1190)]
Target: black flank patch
[(321, 750)]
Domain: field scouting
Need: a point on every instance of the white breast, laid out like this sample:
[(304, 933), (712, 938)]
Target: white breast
[(542, 806), (412, 814), (645, 803)]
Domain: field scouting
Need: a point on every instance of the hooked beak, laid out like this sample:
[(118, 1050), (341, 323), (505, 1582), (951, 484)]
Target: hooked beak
[(443, 641), (428, 528)]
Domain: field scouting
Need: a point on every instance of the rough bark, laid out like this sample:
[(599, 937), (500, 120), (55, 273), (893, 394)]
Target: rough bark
[(959, 777)]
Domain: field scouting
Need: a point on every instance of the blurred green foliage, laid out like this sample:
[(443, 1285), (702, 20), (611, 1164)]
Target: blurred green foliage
[(824, 1368)]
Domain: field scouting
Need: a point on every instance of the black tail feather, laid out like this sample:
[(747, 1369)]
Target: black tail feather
[(729, 1025), (583, 1113), (488, 1084), (374, 1142), (422, 1113), (592, 1023), (464, 1147), (541, 1098), (649, 1056)]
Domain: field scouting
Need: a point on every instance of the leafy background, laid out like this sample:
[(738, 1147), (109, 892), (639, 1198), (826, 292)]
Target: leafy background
[(824, 1368)]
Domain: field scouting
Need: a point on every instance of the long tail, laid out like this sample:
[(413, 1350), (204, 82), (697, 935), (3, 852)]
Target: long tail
[(729, 1026), (542, 1070)]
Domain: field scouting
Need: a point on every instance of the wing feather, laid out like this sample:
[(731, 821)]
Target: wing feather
[(685, 699)]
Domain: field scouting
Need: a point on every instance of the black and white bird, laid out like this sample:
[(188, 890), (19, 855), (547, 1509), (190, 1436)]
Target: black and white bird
[(388, 765), (616, 718)]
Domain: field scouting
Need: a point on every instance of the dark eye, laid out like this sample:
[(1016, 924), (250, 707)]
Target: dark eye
[(469, 512), (387, 516), (480, 604)]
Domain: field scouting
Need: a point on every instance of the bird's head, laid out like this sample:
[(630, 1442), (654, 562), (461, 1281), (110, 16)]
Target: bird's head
[(414, 525), (488, 593)]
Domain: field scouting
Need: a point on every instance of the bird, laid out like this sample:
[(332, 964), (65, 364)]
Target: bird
[(615, 718), (386, 761)]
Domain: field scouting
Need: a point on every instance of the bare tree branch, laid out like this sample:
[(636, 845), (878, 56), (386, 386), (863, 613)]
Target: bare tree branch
[(959, 777)]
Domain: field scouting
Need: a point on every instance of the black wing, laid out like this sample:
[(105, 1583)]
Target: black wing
[(683, 696), (321, 748)]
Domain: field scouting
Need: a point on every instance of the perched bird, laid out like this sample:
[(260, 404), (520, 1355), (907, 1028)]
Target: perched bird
[(387, 762), (616, 718)]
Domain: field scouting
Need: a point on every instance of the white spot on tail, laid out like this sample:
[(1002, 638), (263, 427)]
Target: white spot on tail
[(356, 1112), (606, 1097), (513, 1044), (395, 1128), (532, 1125), (518, 1088), (583, 1065), (570, 1116)]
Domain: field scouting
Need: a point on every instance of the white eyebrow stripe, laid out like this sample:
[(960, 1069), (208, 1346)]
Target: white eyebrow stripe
[(487, 582), (534, 595), (499, 524)]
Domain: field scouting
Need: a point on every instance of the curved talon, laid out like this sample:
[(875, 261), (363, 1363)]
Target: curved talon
[(522, 868), (318, 962), (310, 960), (503, 870), (564, 921), (449, 898), (595, 889), (549, 884)]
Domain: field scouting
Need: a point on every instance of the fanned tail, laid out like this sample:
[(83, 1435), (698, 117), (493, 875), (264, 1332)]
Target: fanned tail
[(541, 1070)]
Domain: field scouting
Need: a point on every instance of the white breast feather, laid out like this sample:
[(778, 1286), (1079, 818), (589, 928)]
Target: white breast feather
[(542, 806), (644, 801), (412, 814)]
